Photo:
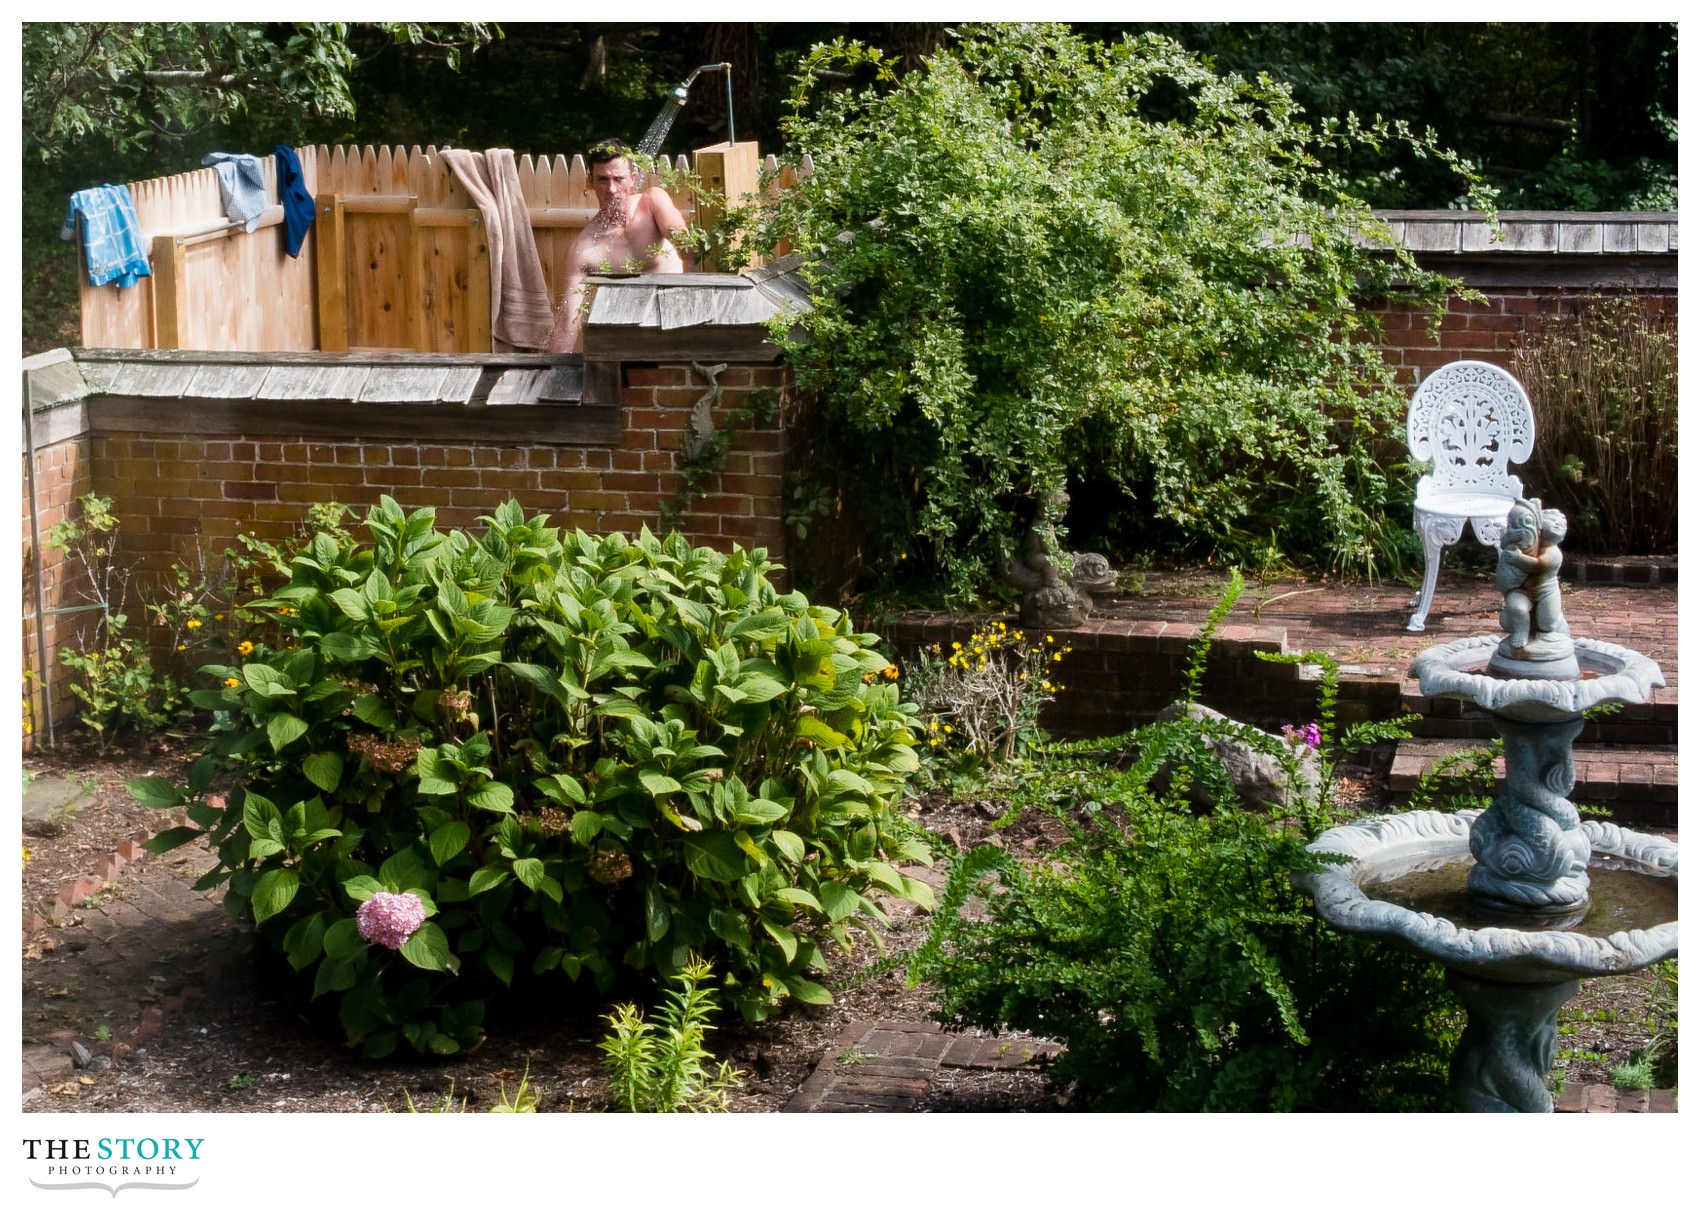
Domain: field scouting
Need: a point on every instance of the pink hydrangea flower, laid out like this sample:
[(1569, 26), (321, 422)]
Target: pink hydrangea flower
[(389, 919)]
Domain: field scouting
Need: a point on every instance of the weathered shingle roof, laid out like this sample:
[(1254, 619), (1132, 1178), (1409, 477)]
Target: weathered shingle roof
[(1567, 233), (682, 301), (360, 379)]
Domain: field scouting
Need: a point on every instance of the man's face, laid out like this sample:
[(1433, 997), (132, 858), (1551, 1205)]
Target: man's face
[(612, 180)]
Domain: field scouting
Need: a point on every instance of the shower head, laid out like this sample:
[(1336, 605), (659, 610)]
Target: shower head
[(680, 92), (676, 101)]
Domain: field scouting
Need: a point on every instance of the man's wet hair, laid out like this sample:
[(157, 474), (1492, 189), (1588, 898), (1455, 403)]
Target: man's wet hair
[(606, 150)]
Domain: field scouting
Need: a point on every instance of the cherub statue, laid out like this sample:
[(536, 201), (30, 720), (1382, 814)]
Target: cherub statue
[(1527, 573), (1057, 586)]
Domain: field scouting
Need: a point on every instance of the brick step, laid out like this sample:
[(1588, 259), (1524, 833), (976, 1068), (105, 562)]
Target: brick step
[(1637, 783), (1633, 725)]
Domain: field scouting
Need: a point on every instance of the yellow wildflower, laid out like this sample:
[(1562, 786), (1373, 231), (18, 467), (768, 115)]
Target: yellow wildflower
[(192, 624), (245, 648), (233, 682)]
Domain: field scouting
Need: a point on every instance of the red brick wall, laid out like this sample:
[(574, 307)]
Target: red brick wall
[(184, 488), (1487, 329), (62, 474)]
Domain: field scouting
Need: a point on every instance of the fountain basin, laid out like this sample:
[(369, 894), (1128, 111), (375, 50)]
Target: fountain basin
[(1382, 850), (1609, 674)]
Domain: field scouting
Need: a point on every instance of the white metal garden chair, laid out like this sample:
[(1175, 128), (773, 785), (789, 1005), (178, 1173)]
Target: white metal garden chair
[(1471, 419)]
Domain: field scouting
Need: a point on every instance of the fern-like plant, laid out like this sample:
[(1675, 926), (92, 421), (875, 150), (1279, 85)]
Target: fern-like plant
[(661, 1065)]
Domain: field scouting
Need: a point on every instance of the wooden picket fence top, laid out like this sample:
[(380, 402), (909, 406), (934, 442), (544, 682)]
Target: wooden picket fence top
[(396, 259)]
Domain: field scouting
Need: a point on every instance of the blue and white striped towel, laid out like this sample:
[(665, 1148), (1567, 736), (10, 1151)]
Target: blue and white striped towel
[(112, 235)]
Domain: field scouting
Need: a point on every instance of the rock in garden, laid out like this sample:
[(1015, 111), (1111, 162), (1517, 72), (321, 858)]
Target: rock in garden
[(1260, 779)]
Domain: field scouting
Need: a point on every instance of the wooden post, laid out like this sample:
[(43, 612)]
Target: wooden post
[(170, 308), (330, 256), (731, 171)]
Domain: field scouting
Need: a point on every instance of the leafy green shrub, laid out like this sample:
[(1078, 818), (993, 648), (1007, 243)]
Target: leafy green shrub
[(548, 752), (1171, 955), (1170, 952), (1039, 262), (1603, 384)]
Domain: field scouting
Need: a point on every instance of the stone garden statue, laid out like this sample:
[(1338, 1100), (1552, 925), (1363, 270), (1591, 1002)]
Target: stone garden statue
[(1056, 587)]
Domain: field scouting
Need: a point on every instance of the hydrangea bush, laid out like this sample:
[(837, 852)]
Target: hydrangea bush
[(478, 757)]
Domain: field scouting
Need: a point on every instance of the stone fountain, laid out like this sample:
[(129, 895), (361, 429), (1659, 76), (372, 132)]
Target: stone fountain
[(1523, 900)]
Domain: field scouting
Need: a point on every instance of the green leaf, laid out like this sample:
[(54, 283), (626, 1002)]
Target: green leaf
[(338, 972), (403, 870), (799, 897), (918, 892), (155, 792), (756, 811), (324, 769), (374, 710), (884, 876), (586, 825), (449, 840), (529, 870), (361, 888), (790, 845), (655, 917), (487, 878), (496, 797), (305, 940), (260, 817), (343, 938), (782, 936), (267, 680), (657, 784), (751, 848), (805, 991), (838, 900), (760, 688), (563, 789), (282, 728), (274, 890), (341, 647), (714, 855), (428, 948)]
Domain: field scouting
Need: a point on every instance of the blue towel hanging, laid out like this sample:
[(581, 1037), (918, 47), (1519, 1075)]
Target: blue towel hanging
[(112, 235), (292, 193)]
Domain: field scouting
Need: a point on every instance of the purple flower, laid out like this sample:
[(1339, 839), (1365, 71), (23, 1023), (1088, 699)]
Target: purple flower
[(389, 919), (1308, 736)]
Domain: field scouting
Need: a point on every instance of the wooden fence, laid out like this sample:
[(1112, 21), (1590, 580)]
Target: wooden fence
[(395, 260)]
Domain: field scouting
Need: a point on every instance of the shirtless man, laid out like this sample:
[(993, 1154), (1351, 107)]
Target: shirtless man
[(630, 231)]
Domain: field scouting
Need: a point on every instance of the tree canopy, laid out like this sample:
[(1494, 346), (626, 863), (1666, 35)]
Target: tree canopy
[(133, 85)]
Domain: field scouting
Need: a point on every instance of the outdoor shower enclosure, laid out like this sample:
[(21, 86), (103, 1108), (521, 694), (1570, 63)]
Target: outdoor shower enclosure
[(396, 260)]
